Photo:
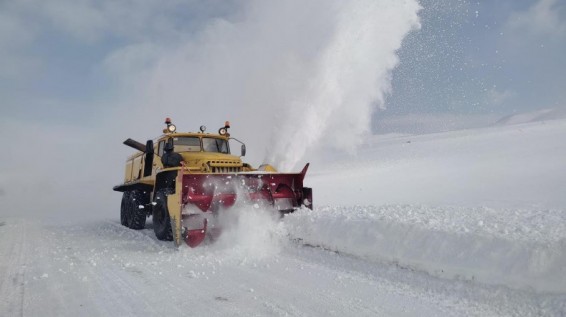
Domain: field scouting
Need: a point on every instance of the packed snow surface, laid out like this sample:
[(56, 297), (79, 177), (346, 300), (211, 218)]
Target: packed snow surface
[(465, 223), (105, 269)]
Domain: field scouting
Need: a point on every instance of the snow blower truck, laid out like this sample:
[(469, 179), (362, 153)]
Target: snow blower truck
[(191, 178)]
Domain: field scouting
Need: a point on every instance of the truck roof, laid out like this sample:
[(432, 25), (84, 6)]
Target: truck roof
[(197, 134)]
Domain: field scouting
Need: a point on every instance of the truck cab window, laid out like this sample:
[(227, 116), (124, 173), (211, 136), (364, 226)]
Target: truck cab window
[(161, 147), (215, 145), (186, 144)]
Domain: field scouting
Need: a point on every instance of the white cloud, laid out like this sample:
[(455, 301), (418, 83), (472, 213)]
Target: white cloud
[(131, 63), (497, 97), (90, 21), (79, 18), (546, 17), (15, 36)]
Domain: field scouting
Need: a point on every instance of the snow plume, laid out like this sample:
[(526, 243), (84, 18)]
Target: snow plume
[(249, 229), (251, 232), (348, 81), (285, 73)]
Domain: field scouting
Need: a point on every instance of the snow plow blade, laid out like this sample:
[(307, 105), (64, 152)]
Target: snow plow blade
[(202, 196), (209, 192)]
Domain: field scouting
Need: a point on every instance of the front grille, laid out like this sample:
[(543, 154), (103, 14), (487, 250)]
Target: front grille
[(225, 169), (222, 166)]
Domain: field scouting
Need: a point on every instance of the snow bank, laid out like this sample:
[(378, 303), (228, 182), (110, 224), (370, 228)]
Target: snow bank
[(534, 116), (524, 249), (506, 166)]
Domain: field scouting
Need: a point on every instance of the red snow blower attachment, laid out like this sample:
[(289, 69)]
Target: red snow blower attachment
[(203, 196)]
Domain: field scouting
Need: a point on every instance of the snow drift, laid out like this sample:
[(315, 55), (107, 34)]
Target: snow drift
[(523, 249), (499, 202), (519, 166)]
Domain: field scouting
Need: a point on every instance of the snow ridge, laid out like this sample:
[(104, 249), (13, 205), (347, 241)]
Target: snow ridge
[(522, 249)]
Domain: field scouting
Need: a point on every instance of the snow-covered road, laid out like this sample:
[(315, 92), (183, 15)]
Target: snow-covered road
[(104, 269)]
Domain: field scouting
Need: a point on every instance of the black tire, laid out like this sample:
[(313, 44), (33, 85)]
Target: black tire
[(131, 215), (139, 201), (124, 210), (161, 219)]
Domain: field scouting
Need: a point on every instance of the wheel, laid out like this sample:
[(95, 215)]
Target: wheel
[(138, 201), (161, 219), (124, 211), (307, 197), (131, 215)]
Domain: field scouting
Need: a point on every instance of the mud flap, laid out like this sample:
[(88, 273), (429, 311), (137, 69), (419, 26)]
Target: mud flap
[(174, 207)]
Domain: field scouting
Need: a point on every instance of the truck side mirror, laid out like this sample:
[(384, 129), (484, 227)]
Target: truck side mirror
[(243, 150), (148, 162)]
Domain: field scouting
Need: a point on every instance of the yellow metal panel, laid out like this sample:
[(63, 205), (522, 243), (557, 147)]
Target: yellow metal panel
[(174, 207), (128, 175), (136, 167)]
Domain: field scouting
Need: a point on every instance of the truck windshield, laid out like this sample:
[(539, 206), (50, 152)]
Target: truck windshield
[(215, 145), (186, 144)]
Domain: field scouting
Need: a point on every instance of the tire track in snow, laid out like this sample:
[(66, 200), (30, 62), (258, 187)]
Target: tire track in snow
[(457, 297), (13, 265), (121, 294), (129, 273)]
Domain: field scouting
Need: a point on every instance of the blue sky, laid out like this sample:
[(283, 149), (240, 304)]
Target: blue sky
[(482, 59), (469, 57)]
